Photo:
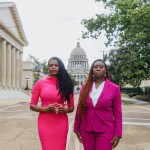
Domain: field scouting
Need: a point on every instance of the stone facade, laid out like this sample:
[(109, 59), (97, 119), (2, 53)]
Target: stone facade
[(12, 41), (30, 72), (28, 75), (78, 65)]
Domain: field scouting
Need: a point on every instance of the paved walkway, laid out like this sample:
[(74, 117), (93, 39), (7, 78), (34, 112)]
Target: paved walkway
[(135, 101), (18, 127)]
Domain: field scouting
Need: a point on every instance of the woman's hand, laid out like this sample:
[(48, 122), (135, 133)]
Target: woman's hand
[(115, 141), (59, 108), (79, 137), (44, 109), (50, 108), (62, 109)]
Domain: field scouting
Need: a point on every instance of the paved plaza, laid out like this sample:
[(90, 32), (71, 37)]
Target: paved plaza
[(18, 127)]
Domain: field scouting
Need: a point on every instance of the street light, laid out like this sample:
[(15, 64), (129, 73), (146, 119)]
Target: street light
[(27, 79)]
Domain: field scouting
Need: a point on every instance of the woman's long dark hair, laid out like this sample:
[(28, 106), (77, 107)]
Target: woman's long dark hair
[(64, 84), (82, 106)]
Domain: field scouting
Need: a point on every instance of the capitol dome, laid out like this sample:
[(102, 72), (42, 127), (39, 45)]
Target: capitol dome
[(78, 65), (78, 51)]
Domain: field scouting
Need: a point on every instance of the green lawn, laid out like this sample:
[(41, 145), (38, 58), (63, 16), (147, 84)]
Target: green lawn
[(125, 95), (127, 102)]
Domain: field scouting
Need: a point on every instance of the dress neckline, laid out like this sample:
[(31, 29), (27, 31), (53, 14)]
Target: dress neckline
[(52, 78)]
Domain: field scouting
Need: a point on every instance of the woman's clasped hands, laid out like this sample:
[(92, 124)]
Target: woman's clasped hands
[(57, 108)]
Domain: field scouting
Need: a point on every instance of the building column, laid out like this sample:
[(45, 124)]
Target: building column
[(3, 63), (13, 67), (83, 78), (79, 79), (20, 70), (17, 69), (8, 65)]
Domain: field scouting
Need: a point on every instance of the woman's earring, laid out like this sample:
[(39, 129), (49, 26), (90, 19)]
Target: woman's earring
[(93, 77)]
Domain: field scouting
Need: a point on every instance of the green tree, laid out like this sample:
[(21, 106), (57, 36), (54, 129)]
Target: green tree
[(44, 65), (36, 78), (127, 25), (122, 68), (37, 62), (73, 79), (40, 65)]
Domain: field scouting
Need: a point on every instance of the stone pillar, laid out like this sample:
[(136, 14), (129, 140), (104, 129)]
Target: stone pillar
[(13, 67), (8, 65), (17, 69), (83, 77), (20, 70), (3, 63), (79, 79)]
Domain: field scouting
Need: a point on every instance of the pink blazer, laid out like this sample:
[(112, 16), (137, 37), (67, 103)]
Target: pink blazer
[(106, 116)]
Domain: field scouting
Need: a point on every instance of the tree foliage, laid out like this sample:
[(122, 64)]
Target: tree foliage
[(37, 62), (127, 26), (73, 80)]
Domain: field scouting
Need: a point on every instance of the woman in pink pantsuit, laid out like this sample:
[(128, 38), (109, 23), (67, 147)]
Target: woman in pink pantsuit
[(98, 120), (56, 94)]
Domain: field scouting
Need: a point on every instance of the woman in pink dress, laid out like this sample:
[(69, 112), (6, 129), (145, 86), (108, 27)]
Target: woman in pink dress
[(56, 95)]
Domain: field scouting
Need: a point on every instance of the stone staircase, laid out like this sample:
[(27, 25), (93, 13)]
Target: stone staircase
[(13, 96)]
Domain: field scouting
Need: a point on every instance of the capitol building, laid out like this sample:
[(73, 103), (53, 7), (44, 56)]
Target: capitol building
[(78, 65)]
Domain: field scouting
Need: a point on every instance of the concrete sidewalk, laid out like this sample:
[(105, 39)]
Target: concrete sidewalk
[(19, 127), (135, 101)]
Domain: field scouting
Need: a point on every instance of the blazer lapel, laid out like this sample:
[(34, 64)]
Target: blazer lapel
[(104, 91), (89, 100)]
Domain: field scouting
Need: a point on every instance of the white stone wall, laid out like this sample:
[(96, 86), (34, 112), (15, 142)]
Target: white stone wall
[(12, 41), (6, 17), (145, 83), (28, 67)]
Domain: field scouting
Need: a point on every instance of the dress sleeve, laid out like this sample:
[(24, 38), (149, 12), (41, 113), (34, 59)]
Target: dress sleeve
[(35, 93), (71, 103)]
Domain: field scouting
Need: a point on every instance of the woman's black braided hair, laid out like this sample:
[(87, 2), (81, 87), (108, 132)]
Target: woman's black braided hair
[(65, 83)]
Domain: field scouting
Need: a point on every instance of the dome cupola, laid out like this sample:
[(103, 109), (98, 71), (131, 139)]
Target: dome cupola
[(78, 51)]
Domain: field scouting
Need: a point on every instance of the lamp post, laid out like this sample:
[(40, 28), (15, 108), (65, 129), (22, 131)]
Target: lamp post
[(27, 79)]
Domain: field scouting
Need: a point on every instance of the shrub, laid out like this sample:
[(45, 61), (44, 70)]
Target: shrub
[(132, 94)]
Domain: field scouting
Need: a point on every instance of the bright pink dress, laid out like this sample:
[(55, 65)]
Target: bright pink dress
[(52, 128)]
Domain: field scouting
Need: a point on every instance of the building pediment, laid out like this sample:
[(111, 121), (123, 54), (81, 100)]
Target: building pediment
[(10, 22)]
